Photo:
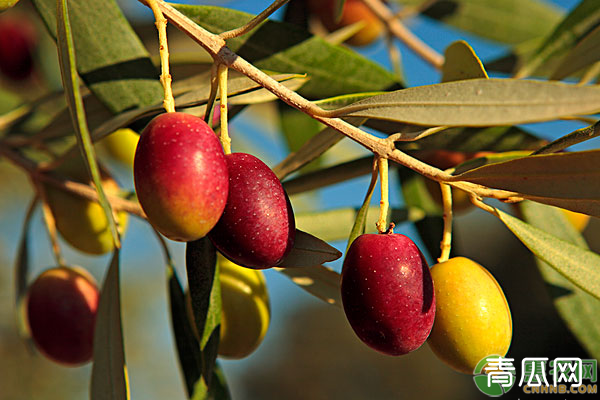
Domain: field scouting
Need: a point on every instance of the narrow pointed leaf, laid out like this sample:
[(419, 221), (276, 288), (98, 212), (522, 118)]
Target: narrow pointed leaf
[(578, 265), (277, 46), (579, 21), (586, 53), (506, 21), (578, 309), (336, 224), (22, 270), (309, 250), (360, 223), (567, 180), (205, 292), (479, 102), (461, 62), (109, 371), (328, 176), (320, 281), (188, 348), (75, 102), (111, 59)]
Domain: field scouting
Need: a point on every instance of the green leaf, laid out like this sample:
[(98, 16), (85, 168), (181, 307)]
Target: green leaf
[(66, 57), (336, 224), (496, 138), (461, 62), (328, 176), (311, 149), (578, 309), (579, 21), (297, 129), (21, 273), (308, 251), (578, 265), (320, 281), (567, 180), (360, 223), (109, 371), (506, 21), (577, 136), (584, 54), (479, 102), (188, 348), (111, 59), (205, 293), (277, 46)]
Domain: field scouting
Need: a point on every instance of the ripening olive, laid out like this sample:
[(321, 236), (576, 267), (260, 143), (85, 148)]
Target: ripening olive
[(472, 319)]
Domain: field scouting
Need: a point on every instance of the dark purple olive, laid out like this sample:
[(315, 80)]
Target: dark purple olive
[(387, 293), (257, 227)]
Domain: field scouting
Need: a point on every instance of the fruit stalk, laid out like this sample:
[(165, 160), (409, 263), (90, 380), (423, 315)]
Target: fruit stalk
[(224, 134), (382, 165), (165, 76), (446, 243), (50, 224)]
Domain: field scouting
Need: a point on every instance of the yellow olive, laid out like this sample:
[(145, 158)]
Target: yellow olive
[(246, 311), (121, 145), (578, 220), (6, 4), (472, 318), (81, 222)]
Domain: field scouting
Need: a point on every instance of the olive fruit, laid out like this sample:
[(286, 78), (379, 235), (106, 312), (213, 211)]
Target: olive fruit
[(6, 4), (473, 318), (354, 11), (246, 311), (387, 293), (121, 145), (61, 307), (18, 41), (82, 223), (257, 228), (180, 176)]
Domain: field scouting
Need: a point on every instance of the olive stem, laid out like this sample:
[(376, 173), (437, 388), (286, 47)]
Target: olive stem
[(165, 76), (50, 223), (225, 139), (254, 22), (397, 28), (446, 243), (382, 165), (80, 189)]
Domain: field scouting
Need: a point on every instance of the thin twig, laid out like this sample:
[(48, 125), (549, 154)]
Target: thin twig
[(80, 189), (384, 204), (398, 29), (165, 76), (446, 243), (50, 223), (225, 139), (254, 22), (217, 48)]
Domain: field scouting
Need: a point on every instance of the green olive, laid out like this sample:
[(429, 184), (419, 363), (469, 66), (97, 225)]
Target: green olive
[(81, 222), (472, 318), (246, 311), (121, 145)]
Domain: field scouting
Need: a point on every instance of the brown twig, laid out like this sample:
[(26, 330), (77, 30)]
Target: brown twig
[(254, 22), (400, 31), (80, 189)]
